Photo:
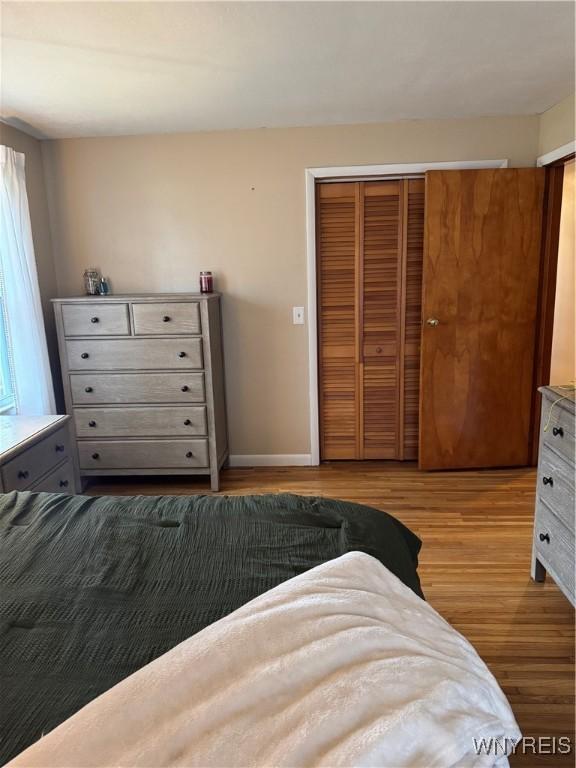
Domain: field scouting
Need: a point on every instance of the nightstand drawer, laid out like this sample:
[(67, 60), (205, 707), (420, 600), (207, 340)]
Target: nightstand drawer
[(143, 454), (555, 485), (97, 319), (554, 545), (24, 470), (112, 388), (61, 480), (166, 318), (134, 354), (181, 421)]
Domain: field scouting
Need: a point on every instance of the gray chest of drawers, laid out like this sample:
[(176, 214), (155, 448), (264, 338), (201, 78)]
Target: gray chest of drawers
[(553, 545), (144, 381), (36, 454)]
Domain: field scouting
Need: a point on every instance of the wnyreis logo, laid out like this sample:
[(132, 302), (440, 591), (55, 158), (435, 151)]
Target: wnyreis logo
[(528, 745)]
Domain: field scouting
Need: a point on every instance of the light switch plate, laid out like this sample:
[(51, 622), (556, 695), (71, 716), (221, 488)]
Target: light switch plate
[(298, 315)]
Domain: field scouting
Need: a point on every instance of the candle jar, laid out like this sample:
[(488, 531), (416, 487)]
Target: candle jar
[(91, 281), (206, 282)]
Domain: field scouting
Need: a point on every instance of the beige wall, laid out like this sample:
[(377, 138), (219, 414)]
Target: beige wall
[(37, 201), (151, 211), (563, 368), (557, 126)]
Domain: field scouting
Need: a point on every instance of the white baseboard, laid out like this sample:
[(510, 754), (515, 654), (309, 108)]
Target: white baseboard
[(271, 460)]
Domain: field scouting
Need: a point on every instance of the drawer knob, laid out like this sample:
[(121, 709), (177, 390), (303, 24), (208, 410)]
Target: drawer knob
[(184, 388), (23, 474), (187, 422), (95, 455), (545, 537), (378, 350), (88, 389), (91, 423), (63, 483), (58, 447), (548, 481), (181, 354), (166, 319), (557, 431), (189, 454), (94, 320), (84, 355)]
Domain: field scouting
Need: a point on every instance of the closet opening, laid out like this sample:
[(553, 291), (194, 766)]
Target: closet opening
[(555, 356), (434, 296)]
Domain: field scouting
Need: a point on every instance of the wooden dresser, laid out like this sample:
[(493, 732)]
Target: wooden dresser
[(36, 454), (553, 545), (144, 381)]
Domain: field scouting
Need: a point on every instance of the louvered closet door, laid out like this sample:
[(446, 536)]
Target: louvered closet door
[(337, 243), (380, 318), (370, 237)]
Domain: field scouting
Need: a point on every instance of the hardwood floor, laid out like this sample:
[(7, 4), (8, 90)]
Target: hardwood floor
[(476, 529)]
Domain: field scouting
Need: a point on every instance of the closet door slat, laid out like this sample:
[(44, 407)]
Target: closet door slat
[(337, 321)]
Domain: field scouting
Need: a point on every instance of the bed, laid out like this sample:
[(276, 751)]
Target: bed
[(216, 632), (93, 589)]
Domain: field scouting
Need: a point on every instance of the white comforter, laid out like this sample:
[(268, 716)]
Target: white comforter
[(341, 666)]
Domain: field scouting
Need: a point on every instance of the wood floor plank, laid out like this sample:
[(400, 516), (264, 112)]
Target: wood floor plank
[(476, 529)]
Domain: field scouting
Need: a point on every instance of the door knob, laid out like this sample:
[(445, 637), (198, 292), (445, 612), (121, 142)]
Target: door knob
[(432, 321)]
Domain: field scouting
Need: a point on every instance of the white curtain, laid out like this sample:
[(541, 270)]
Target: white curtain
[(25, 325)]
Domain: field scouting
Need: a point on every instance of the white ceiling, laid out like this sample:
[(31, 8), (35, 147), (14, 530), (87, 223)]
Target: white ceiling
[(97, 68)]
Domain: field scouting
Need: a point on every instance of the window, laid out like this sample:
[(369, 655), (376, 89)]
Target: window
[(7, 397), (25, 377)]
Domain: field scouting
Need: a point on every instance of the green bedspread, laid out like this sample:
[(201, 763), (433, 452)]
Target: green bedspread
[(93, 588)]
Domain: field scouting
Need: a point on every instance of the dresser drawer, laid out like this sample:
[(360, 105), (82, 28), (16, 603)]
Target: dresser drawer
[(24, 470), (181, 421), (134, 354), (554, 545), (61, 480), (560, 432), (110, 388), (555, 484), (97, 319), (143, 454), (166, 318)]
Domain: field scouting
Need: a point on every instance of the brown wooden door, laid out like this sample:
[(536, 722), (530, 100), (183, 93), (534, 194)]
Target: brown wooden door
[(369, 262), (480, 282)]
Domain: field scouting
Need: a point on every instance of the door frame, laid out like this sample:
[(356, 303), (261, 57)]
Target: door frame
[(351, 173), (553, 162)]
